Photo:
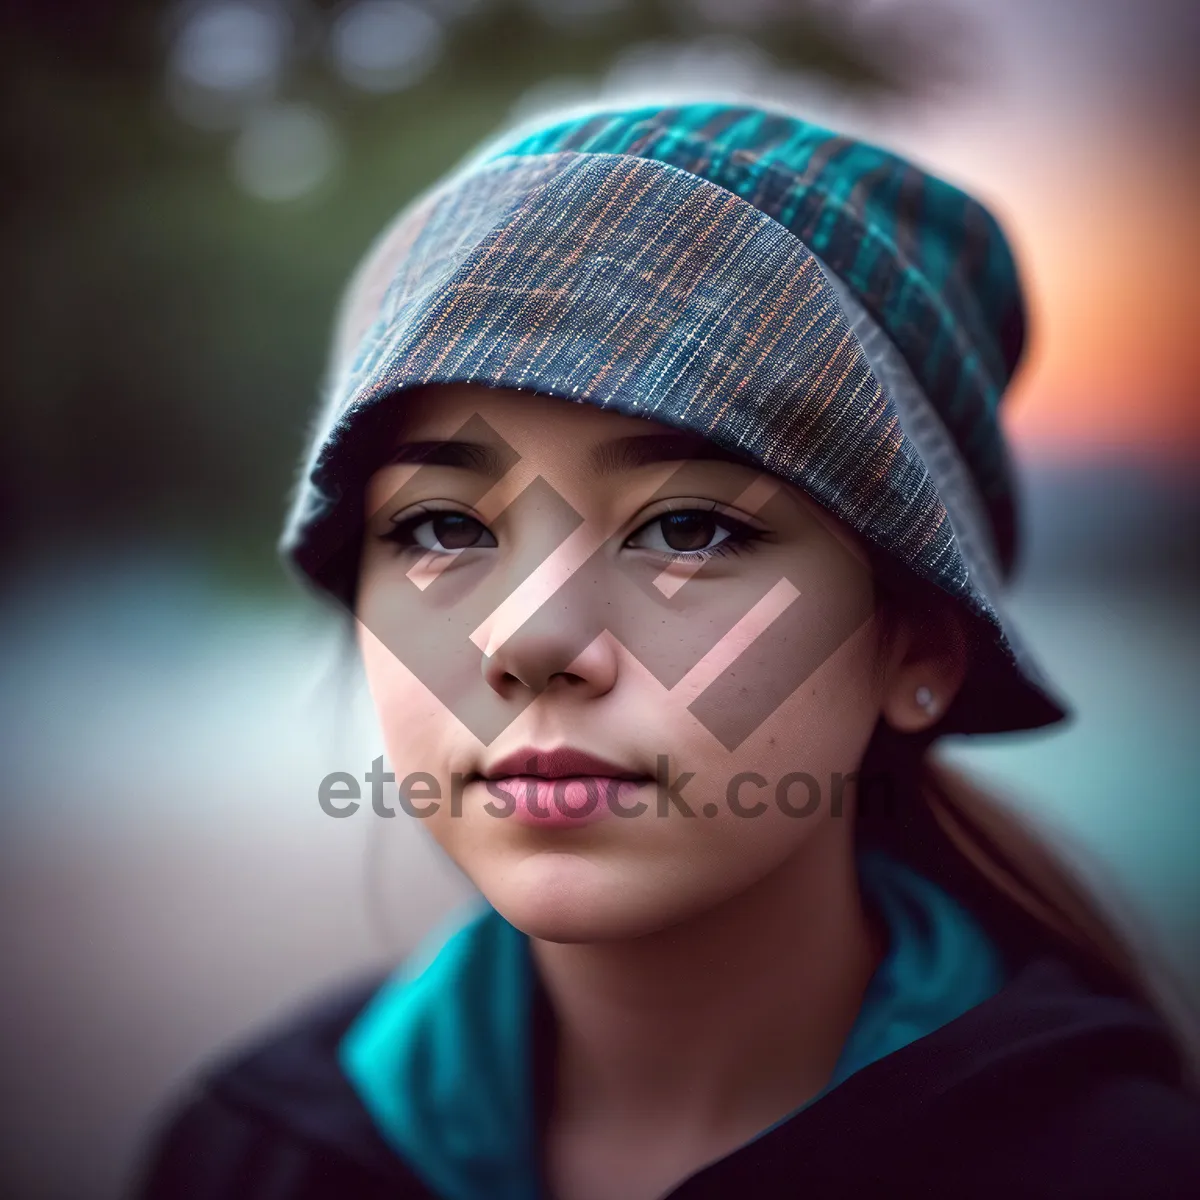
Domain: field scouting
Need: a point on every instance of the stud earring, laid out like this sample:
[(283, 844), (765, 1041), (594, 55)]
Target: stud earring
[(925, 700)]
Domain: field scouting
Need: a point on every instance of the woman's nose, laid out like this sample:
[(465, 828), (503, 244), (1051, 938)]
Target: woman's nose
[(553, 646)]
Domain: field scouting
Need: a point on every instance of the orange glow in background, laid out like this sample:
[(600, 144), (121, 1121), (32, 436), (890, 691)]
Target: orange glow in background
[(1074, 135)]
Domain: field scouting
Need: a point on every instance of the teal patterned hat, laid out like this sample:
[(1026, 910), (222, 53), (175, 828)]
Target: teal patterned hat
[(816, 303)]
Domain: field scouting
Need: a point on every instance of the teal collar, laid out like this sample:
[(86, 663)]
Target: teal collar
[(442, 1055)]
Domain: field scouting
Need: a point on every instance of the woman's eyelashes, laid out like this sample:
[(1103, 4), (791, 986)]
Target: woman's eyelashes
[(681, 535), (686, 535), (439, 531)]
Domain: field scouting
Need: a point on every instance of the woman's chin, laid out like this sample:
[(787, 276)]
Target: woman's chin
[(558, 896)]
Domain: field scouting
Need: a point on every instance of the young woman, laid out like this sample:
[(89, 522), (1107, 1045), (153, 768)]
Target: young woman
[(661, 473)]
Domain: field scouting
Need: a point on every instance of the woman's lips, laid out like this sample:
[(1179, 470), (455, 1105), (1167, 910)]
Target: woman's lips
[(558, 762), (560, 787), (565, 803)]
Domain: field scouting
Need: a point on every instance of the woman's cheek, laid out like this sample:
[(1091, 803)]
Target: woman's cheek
[(411, 719)]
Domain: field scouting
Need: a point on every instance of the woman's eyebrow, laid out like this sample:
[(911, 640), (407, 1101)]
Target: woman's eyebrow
[(606, 458), (471, 456)]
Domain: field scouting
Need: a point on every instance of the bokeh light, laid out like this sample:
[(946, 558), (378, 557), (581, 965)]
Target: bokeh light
[(385, 45), (224, 55), (285, 151)]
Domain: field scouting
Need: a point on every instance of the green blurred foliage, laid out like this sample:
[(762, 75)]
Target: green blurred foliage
[(164, 332)]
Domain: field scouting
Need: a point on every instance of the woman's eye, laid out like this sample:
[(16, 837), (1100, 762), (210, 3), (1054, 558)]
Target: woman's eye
[(440, 532), (687, 535), (694, 534)]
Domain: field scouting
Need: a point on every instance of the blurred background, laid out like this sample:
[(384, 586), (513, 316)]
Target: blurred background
[(185, 188)]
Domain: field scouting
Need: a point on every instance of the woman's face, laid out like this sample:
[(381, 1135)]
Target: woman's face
[(580, 578)]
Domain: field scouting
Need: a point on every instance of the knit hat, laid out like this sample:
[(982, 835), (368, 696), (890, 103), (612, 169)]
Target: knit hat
[(815, 303)]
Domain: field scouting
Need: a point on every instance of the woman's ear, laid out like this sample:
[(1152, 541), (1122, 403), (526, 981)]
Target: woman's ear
[(928, 663)]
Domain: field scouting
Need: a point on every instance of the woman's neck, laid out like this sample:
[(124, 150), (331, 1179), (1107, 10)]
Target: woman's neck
[(711, 1030)]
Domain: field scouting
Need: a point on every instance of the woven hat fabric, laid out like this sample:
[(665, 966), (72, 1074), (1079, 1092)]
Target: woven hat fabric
[(928, 261), (684, 264)]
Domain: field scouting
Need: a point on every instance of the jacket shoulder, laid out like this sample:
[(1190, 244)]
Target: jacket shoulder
[(1050, 1090), (1082, 1096), (1118, 1138), (276, 1117)]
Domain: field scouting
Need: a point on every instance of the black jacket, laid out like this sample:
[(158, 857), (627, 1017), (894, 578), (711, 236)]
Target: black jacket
[(1050, 1088)]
